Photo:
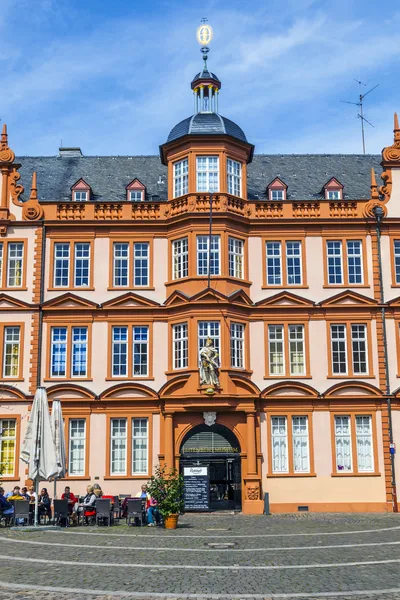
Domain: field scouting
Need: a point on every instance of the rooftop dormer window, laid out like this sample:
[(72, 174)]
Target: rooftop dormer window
[(80, 191), (135, 191), (333, 190), (277, 190)]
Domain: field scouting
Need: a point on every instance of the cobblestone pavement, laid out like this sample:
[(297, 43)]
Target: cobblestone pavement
[(340, 557)]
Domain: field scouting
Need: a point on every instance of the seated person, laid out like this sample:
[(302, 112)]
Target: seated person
[(24, 493), (152, 512), (6, 507), (143, 493), (32, 494), (87, 507), (72, 499), (44, 505), (98, 492), (15, 494)]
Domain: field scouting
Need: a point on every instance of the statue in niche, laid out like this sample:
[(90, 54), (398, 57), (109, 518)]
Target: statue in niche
[(209, 364)]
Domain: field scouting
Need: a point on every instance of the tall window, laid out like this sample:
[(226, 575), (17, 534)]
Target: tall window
[(348, 253), (139, 446), (8, 436), (11, 351), (181, 177), (396, 249), (130, 351), (140, 351), (209, 329), (207, 174), (284, 263), (118, 447), (121, 264), (180, 257), (362, 458), (235, 257), (234, 173), (82, 264), (180, 340), (349, 340), (203, 242), (290, 444), (141, 264), (15, 264), (286, 350), (237, 345), (77, 447), (69, 352), (80, 267)]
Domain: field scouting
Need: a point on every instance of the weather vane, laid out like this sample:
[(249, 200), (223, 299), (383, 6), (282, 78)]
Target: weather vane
[(204, 36)]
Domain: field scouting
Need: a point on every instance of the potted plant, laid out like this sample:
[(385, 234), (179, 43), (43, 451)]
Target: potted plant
[(167, 488)]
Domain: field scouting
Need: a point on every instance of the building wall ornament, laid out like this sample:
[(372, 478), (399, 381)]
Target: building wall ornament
[(210, 418), (391, 154), (7, 156), (31, 210)]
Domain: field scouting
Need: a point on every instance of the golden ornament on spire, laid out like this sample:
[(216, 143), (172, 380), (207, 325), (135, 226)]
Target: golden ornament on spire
[(204, 34)]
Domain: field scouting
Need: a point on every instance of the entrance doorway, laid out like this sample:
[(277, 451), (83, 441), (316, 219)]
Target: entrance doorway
[(217, 448)]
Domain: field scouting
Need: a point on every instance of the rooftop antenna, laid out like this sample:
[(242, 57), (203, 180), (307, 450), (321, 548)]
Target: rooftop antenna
[(360, 114)]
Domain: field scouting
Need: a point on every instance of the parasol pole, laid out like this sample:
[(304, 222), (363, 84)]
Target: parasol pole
[(36, 500)]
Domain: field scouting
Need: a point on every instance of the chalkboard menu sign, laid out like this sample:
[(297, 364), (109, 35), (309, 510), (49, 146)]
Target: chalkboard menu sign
[(197, 488)]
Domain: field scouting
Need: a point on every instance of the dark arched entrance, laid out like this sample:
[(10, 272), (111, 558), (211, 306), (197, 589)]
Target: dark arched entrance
[(217, 447)]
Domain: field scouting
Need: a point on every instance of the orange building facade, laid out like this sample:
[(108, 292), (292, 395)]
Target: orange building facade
[(109, 290)]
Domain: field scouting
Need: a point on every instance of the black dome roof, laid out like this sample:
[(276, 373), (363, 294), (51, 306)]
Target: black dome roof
[(206, 124), (205, 74)]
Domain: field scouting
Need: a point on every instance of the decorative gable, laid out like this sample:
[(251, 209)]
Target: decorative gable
[(70, 302), (130, 300), (81, 191), (9, 303), (333, 190), (286, 299), (347, 298), (176, 299), (276, 190), (135, 191)]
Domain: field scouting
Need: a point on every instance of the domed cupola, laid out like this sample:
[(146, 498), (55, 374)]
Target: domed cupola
[(206, 120)]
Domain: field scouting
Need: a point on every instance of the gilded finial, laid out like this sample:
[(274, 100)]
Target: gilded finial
[(374, 187), (33, 194)]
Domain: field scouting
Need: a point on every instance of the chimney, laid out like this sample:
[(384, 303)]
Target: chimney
[(70, 152)]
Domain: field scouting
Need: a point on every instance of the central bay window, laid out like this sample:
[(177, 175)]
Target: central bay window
[(69, 351), (180, 258), (130, 351), (181, 177), (349, 349), (71, 264), (237, 345), (77, 447), (354, 448), (286, 350), (203, 244), (290, 444), (137, 254), (8, 442), (234, 175), (235, 257), (12, 255), (180, 342), (344, 262), (129, 446), (209, 329), (284, 263), (11, 352), (207, 174)]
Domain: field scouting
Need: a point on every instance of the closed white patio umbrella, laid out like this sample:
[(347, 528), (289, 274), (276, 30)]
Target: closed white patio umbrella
[(38, 449), (59, 441)]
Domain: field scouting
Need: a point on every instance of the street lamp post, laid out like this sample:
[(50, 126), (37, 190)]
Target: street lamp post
[(379, 214)]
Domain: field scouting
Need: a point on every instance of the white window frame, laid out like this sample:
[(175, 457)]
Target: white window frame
[(234, 176), (118, 260), (180, 258), (274, 261), (396, 254), (291, 259), (9, 343), (273, 343), (203, 244), (336, 260), (298, 438), (140, 347), (333, 194), (64, 261), (180, 346), (136, 439), (236, 257), (80, 195), (279, 442), (141, 261), (277, 194), (5, 440), (181, 177), (345, 438), (59, 343), (120, 342), (17, 248), (136, 195), (237, 331), (365, 437), (360, 340), (355, 257), (117, 439), (339, 339), (207, 174), (82, 347), (297, 346), (77, 444), (82, 247)]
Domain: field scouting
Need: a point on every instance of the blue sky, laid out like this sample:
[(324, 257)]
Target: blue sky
[(114, 77)]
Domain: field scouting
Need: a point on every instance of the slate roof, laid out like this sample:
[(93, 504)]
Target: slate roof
[(206, 124), (205, 74), (108, 176)]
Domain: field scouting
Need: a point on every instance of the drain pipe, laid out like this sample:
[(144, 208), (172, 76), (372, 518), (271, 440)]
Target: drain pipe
[(378, 214), (41, 300)]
